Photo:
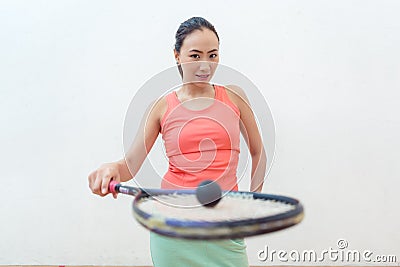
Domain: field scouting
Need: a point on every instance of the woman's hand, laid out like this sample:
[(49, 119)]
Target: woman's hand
[(100, 178)]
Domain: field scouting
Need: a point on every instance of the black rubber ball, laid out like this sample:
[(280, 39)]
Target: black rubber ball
[(208, 193)]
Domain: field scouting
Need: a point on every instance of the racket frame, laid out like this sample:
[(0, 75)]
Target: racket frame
[(211, 230)]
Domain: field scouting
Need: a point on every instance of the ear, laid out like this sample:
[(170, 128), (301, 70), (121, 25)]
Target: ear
[(177, 59)]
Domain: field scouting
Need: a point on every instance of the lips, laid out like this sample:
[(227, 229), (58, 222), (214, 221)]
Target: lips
[(203, 76)]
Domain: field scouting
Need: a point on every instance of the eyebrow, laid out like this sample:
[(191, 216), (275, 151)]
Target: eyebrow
[(198, 51)]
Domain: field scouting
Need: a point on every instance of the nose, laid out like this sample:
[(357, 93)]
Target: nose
[(205, 66)]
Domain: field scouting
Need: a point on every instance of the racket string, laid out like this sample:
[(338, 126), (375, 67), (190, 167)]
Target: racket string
[(233, 207)]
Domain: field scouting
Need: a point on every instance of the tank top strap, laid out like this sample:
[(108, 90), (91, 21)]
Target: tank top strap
[(222, 95), (172, 102)]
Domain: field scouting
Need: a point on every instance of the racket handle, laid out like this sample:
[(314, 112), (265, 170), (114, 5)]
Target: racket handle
[(113, 187)]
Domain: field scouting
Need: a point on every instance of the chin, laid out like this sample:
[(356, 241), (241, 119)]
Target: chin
[(198, 80), (202, 85)]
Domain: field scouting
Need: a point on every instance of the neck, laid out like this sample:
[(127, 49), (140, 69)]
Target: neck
[(197, 90)]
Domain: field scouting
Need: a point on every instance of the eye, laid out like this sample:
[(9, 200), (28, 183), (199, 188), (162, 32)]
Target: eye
[(213, 55), (196, 56)]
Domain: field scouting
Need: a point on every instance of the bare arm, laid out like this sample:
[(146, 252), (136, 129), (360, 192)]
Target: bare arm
[(251, 134), (146, 136), (125, 169)]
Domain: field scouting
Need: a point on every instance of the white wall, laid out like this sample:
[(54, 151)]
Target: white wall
[(68, 70)]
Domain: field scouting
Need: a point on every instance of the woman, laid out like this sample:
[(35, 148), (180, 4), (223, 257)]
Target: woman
[(200, 124)]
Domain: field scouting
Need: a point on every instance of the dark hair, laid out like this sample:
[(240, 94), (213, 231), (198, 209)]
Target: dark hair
[(186, 28)]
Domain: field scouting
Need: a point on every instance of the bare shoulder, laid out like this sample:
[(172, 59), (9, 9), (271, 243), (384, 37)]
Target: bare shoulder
[(237, 95), (157, 108)]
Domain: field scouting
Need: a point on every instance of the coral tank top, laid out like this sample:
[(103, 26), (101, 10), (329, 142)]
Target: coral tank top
[(201, 144)]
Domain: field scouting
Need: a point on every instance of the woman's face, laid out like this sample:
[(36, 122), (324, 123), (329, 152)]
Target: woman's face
[(199, 56)]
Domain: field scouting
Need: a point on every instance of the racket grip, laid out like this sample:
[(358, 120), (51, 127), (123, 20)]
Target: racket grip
[(113, 187)]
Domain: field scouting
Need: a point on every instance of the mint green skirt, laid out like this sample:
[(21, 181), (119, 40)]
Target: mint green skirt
[(173, 252)]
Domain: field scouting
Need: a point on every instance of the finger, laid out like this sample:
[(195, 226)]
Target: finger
[(97, 187), (105, 183), (118, 180), (92, 181)]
